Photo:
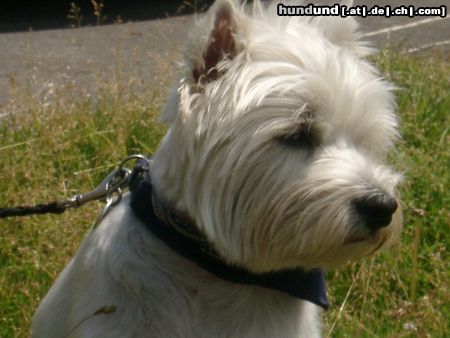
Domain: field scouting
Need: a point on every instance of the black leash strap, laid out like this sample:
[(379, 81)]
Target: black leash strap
[(110, 190), (39, 209)]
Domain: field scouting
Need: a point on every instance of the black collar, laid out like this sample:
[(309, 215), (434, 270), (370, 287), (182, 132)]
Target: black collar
[(190, 243)]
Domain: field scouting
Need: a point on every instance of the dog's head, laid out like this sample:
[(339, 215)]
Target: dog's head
[(279, 134)]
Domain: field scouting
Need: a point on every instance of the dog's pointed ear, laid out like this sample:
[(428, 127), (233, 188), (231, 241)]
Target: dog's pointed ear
[(219, 43), (217, 36)]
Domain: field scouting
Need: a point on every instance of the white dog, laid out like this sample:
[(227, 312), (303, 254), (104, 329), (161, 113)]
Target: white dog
[(273, 169)]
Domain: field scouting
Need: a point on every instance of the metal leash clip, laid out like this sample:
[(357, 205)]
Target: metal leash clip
[(114, 181), (109, 189)]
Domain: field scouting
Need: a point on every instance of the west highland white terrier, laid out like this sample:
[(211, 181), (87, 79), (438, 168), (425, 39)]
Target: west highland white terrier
[(272, 171)]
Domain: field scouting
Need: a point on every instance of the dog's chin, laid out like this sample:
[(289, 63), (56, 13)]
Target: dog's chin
[(355, 247), (372, 239), (359, 246)]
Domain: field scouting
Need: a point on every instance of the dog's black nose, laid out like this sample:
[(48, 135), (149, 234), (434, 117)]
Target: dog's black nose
[(377, 209)]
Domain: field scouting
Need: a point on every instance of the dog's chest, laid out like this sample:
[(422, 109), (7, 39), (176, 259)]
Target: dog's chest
[(182, 300), (220, 309)]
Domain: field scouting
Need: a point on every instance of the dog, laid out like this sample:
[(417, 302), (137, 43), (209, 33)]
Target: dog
[(272, 171)]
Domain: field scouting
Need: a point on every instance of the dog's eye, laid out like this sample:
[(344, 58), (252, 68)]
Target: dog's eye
[(302, 136)]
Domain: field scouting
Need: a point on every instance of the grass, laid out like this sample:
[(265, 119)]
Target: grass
[(55, 148), (404, 292)]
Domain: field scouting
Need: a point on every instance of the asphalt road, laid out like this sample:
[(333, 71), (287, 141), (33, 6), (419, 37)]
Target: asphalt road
[(35, 64)]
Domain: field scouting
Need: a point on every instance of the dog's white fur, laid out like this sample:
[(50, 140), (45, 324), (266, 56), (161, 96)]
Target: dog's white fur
[(265, 205)]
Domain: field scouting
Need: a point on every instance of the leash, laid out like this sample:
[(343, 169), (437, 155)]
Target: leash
[(110, 189)]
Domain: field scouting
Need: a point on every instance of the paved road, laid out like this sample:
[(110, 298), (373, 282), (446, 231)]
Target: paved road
[(145, 53)]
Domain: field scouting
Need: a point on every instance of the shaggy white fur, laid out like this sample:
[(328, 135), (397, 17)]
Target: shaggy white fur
[(278, 127)]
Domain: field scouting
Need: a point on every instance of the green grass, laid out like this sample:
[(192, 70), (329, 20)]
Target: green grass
[(405, 292), (67, 145)]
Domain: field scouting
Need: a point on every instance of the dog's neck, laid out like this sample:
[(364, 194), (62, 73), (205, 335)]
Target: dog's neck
[(184, 237)]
